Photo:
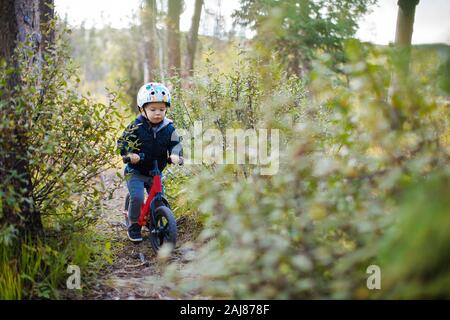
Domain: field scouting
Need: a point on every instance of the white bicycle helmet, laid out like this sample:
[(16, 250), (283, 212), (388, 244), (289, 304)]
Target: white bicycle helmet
[(153, 92)]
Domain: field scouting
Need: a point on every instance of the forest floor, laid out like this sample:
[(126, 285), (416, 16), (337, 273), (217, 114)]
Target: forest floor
[(132, 264)]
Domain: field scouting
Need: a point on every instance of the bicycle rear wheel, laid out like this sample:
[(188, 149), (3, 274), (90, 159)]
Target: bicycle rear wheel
[(165, 230), (125, 211)]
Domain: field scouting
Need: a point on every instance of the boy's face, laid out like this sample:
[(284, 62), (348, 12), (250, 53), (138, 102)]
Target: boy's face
[(154, 111)]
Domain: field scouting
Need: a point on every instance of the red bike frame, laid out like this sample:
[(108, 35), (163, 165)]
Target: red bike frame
[(155, 192)]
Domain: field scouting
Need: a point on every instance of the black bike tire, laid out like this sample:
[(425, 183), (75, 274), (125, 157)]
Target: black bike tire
[(164, 211), (127, 204)]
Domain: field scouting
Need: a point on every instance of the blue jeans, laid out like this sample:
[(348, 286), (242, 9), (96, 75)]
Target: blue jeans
[(135, 184)]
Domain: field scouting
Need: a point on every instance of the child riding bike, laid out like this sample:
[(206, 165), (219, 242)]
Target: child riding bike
[(151, 136)]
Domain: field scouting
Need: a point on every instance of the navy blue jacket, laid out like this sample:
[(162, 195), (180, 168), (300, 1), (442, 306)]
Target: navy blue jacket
[(156, 143)]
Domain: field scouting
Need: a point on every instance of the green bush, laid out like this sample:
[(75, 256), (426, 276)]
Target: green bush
[(67, 141), (312, 230), (70, 138), (415, 253)]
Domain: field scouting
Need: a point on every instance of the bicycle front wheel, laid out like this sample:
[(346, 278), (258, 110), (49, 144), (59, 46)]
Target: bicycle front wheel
[(165, 230)]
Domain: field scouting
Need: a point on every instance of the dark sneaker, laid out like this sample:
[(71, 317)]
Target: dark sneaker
[(134, 232)]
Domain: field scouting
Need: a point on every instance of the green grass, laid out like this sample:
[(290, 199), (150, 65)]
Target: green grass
[(39, 271)]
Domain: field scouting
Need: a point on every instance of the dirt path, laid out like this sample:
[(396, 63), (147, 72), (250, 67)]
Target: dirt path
[(132, 263)]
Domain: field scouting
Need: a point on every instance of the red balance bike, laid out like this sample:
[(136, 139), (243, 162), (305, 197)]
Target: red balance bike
[(156, 214)]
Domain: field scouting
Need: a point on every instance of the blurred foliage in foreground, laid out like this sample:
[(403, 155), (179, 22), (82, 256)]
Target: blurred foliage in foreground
[(417, 249), (363, 180)]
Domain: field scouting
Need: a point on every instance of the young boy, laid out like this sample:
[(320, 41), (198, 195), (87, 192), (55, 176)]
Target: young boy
[(151, 136)]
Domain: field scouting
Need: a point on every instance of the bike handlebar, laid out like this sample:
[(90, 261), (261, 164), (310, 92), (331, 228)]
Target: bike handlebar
[(127, 159)]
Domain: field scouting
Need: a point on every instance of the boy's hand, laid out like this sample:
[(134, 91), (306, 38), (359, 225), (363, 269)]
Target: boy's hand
[(134, 158), (175, 159)]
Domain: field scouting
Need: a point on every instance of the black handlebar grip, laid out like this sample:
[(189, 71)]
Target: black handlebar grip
[(126, 159)]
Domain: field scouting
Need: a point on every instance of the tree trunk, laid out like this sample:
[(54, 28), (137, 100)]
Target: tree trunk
[(173, 36), (303, 66), (404, 30), (151, 60), (192, 38), (19, 22), (403, 36), (294, 63)]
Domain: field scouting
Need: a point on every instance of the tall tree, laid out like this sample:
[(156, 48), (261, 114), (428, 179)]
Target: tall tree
[(150, 14), (19, 29), (404, 29), (173, 36), (299, 29), (193, 37), (403, 37)]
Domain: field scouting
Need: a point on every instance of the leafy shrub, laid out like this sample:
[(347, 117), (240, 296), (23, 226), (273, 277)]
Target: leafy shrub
[(70, 138), (67, 140), (311, 230), (415, 251)]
